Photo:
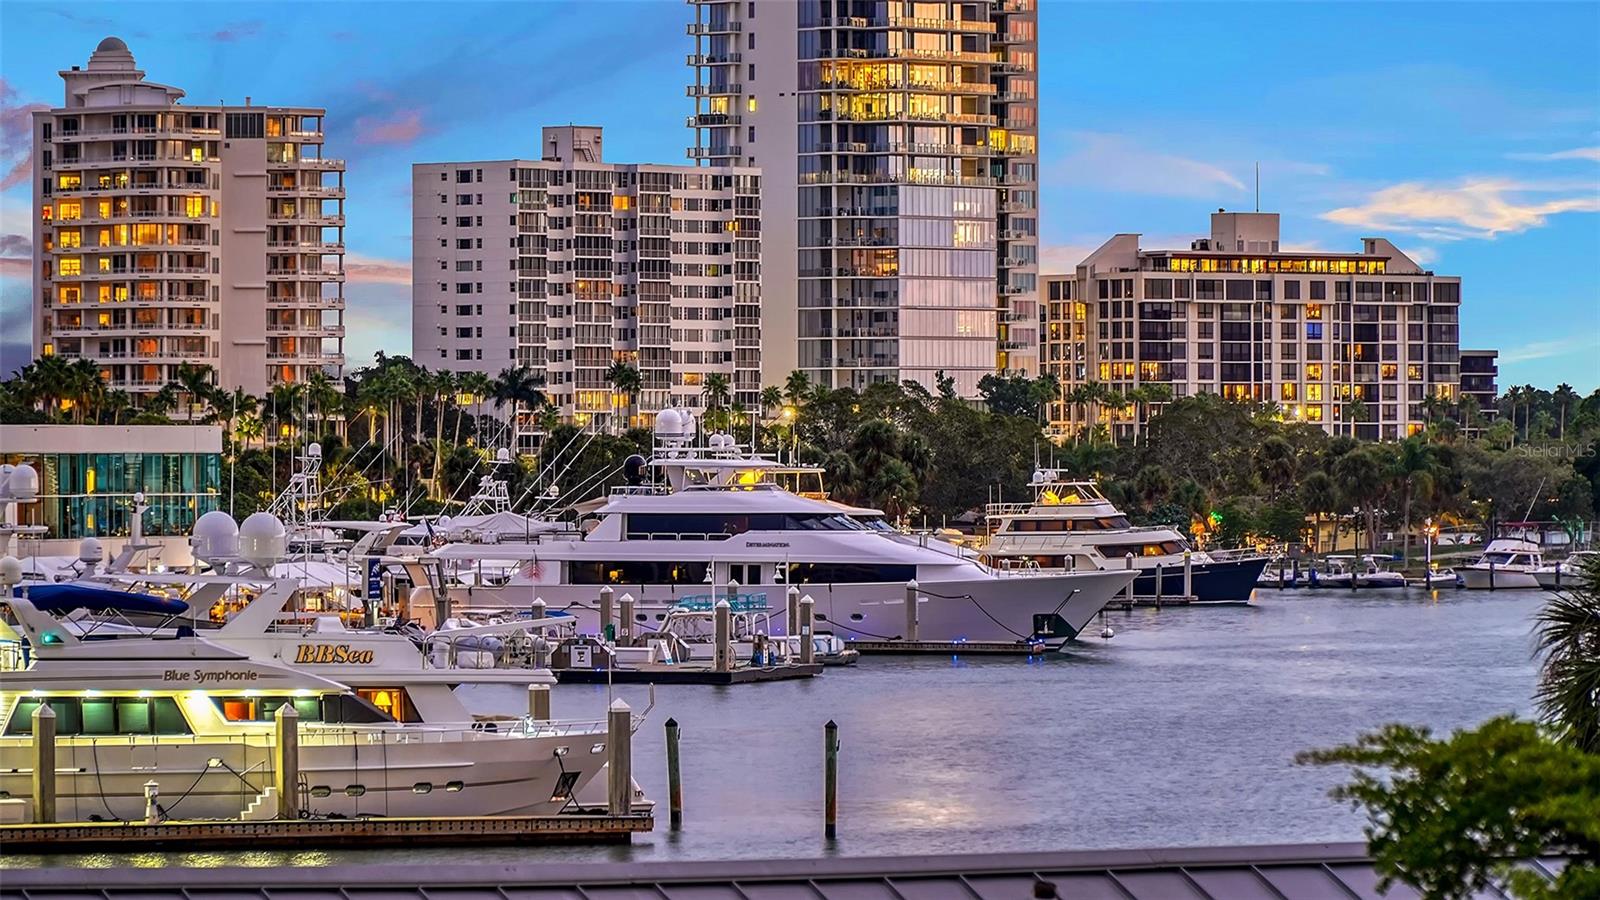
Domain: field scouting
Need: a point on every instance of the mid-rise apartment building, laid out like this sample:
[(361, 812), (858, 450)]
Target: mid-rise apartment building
[(1480, 373), (567, 264), (898, 144), (166, 233), (1351, 341)]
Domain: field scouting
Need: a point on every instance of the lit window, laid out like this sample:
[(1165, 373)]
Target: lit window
[(750, 105), (71, 265)]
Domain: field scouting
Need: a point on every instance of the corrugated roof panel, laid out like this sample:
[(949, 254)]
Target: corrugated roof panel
[(1164, 884), (1002, 887), (778, 890), (1362, 880), (856, 889), (1082, 886), (1307, 882), (948, 887), (608, 892), (535, 892), (707, 891), (1234, 884)]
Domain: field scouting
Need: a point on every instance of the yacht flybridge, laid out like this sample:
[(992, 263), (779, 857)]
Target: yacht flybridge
[(713, 523), (199, 715), (1071, 526)]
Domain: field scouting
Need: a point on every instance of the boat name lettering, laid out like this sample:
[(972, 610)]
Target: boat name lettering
[(332, 653), (766, 543), (201, 676)]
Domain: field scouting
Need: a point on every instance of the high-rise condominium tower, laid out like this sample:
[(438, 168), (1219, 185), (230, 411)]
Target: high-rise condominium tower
[(898, 147), (568, 264), (166, 233)]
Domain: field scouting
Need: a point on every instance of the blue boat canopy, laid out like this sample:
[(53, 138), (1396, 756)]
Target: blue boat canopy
[(62, 598)]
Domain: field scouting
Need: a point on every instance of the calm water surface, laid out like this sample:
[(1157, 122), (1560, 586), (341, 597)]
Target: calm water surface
[(1179, 731)]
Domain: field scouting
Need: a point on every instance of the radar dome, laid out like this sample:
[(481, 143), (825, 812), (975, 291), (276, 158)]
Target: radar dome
[(89, 550), (633, 469), (669, 422), (262, 539), (687, 416), (502, 455), (314, 450), (215, 536), (1038, 476), (24, 482), (10, 570)]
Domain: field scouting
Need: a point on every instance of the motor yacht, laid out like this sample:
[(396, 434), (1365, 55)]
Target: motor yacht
[(1568, 572), (1505, 563), (1342, 571), (695, 521), (1071, 526), (197, 716)]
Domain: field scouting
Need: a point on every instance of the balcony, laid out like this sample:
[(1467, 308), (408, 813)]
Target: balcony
[(714, 152), (920, 23), (319, 165), (326, 192), (702, 28), (929, 178), (166, 132), (326, 276), (308, 246), (715, 59), (712, 120), (708, 90), (127, 274)]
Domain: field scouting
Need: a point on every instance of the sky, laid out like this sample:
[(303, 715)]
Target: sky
[(1469, 134)]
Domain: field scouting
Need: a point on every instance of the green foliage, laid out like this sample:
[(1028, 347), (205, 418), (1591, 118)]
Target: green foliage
[(1569, 638), (1447, 816)]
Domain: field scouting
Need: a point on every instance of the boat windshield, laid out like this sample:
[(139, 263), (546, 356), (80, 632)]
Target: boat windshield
[(1101, 523), (667, 525), (1498, 559)]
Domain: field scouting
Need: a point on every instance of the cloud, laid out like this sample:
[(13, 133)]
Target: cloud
[(1547, 349), (401, 127), (1114, 162), (16, 137), (16, 255), (1421, 255), (361, 269), (1592, 154), (1480, 207), (235, 31)]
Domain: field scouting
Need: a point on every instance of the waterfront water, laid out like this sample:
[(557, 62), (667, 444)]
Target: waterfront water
[(1179, 731)]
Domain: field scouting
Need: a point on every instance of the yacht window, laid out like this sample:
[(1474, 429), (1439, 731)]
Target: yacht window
[(848, 573), (321, 790), (103, 716), (1119, 551), (635, 572), (455, 786), (422, 787), (355, 790), (1498, 559)]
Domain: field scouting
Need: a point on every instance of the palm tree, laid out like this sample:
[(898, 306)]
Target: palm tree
[(322, 396), (1318, 495), (626, 380), (1565, 398), (284, 402), (475, 387), (797, 388), (1359, 475), (1569, 683), (1355, 411), (443, 385), (233, 408), (717, 392), (523, 389), (198, 385), (1415, 470)]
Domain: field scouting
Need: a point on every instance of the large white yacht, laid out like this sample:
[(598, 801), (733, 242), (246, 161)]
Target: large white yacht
[(1069, 525), (1505, 563), (715, 524), (196, 715)]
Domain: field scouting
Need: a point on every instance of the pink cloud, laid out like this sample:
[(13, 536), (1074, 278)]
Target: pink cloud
[(403, 127), (16, 136), (360, 269)]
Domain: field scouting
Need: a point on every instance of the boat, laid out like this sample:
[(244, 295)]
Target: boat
[(1568, 572), (197, 716), (1345, 571), (1071, 526), (708, 520), (1506, 563), (1441, 576)]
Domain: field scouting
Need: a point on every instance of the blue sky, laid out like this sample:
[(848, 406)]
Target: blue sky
[(1467, 133)]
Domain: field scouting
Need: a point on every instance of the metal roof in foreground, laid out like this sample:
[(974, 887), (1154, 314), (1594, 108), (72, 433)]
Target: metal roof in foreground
[(1283, 872)]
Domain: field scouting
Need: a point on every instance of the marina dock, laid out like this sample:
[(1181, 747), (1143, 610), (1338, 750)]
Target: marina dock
[(76, 837), (949, 648), (659, 673)]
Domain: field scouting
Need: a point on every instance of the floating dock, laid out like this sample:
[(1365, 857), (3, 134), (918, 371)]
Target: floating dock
[(690, 673), (950, 648), (74, 837)]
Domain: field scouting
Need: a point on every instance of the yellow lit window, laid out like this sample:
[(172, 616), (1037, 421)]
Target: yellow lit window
[(71, 265), (69, 209), (120, 292), (622, 203), (1314, 392), (196, 154), (194, 207), (48, 349), (1414, 372), (1289, 392), (69, 237), (1313, 414), (104, 295), (1314, 371), (750, 105), (1389, 371), (103, 320), (69, 182), (1313, 310), (105, 264), (68, 294)]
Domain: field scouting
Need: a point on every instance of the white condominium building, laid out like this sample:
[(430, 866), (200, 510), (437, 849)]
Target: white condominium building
[(166, 233), (568, 264), (897, 141), (1354, 342)]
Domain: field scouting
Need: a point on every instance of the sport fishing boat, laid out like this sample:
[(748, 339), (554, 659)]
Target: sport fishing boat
[(1568, 572), (1506, 563), (197, 716), (1342, 571), (1071, 526), (713, 523)]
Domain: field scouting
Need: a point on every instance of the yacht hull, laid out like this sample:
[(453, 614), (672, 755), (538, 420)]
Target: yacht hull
[(1476, 578), (1231, 581), (407, 772), (999, 608)]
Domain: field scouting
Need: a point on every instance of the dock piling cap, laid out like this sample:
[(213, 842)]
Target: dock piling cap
[(722, 604), (620, 705)]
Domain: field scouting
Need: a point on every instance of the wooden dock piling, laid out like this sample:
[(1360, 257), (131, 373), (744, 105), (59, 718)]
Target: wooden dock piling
[(674, 780), (722, 651), (619, 758), (607, 626), (792, 613), (808, 612), (539, 702), (1188, 574), (44, 764), (286, 761), (911, 610), (830, 780), (626, 622)]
